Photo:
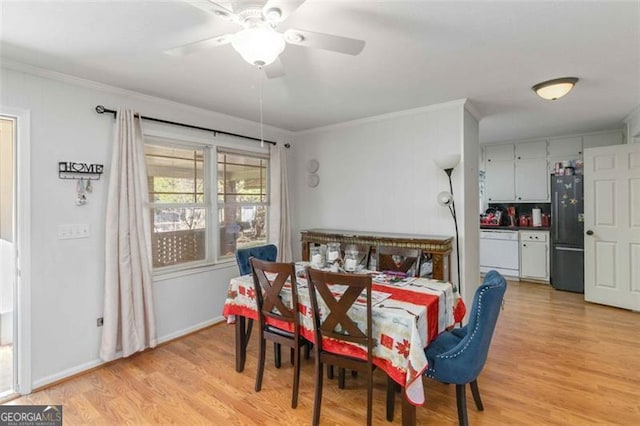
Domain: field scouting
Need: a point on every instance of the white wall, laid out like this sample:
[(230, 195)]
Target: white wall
[(470, 228), (67, 281), (377, 174)]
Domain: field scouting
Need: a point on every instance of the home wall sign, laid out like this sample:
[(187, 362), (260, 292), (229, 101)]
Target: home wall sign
[(83, 173), (73, 170)]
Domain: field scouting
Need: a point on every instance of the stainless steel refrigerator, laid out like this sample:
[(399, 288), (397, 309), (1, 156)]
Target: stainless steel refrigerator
[(567, 233)]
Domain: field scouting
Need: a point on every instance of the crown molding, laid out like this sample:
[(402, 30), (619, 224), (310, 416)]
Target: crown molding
[(472, 110), (633, 115), (383, 117), (13, 65)]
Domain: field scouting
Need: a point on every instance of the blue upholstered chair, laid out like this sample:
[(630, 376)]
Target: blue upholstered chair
[(458, 356), (267, 253)]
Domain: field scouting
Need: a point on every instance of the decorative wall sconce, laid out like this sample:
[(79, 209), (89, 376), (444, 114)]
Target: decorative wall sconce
[(312, 167)]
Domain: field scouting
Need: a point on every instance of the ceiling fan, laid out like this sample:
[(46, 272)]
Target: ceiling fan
[(258, 42)]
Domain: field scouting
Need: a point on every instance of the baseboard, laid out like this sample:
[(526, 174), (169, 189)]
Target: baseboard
[(189, 330), (507, 273), (83, 368), (65, 374)]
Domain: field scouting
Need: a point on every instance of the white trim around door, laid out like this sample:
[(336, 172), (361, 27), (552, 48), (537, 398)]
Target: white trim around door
[(22, 327)]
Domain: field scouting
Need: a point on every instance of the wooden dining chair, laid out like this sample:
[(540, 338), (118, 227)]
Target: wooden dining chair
[(335, 319), (398, 259), (270, 305)]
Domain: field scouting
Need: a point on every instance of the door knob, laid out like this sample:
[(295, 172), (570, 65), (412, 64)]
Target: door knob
[(589, 232)]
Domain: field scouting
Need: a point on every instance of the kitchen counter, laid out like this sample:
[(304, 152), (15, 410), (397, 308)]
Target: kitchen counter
[(516, 228)]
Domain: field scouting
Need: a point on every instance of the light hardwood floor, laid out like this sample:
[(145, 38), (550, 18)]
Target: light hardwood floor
[(554, 360)]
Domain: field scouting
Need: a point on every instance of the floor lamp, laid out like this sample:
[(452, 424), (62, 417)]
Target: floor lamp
[(448, 163)]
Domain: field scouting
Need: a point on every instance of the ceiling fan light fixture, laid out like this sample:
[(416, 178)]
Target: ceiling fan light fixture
[(273, 15), (552, 90), (258, 45)]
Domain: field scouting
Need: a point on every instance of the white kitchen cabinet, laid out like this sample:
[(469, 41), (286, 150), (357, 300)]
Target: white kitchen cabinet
[(500, 180), (566, 148), (517, 172), (534, 255), (532, 180), (602, 139), (499, 152), (533, 149)]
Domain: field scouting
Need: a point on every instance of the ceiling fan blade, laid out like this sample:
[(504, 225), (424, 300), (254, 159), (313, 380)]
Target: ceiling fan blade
[(196, 46), (222, 10), (286, 8), (349, 46), (274, 69)]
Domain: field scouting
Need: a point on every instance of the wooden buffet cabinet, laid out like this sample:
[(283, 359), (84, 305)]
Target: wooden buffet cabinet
[(434, 247)]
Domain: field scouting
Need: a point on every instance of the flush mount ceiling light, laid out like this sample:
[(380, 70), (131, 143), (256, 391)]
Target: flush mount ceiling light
[(259, 45), (556, 88)]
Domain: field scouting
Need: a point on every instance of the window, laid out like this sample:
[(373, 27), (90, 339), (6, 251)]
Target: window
[(178, 204), (242, 201)]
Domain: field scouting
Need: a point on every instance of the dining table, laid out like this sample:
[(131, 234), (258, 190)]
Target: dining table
[(407, 314)]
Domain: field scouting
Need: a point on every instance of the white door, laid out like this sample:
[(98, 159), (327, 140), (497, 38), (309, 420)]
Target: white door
[(612, 225)]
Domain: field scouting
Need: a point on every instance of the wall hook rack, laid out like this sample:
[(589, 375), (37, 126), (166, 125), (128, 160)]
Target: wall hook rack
[(72, 170)]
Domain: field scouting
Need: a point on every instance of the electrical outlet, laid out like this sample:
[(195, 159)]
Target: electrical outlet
[(100, 322)]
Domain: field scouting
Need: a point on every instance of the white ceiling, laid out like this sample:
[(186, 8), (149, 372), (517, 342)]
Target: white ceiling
[(417, 53)]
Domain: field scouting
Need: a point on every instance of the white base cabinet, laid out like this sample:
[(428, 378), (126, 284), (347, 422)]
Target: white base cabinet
[(534, 255)]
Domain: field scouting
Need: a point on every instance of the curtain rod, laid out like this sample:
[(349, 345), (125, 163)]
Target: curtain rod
[(102, 110)]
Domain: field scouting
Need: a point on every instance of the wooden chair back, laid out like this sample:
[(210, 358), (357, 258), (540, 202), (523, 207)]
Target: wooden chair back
[(336, 322), (268, 291), (398, 259)]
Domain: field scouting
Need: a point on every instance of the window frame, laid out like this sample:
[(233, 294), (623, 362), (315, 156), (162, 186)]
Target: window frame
[(206, 204), (221, 204), (162, 135)]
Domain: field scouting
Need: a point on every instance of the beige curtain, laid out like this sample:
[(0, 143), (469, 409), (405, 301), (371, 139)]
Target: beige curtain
[(280, 216), (129, 321)]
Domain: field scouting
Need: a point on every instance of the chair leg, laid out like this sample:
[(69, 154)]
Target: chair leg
[(476, 395), (341, 374), (461, 399), (330, 372), (391, 395), (296, 376), (307, 349), (354, 373), (317, 400), (276, 355), (261, 358)]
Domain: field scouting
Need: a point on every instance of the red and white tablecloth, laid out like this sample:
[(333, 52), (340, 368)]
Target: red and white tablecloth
[(408, 315)]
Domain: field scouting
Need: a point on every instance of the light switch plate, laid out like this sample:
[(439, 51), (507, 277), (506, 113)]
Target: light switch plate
[(69, 232)]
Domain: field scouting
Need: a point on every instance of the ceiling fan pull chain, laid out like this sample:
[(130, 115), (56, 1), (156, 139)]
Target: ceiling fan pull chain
[(261, 121)]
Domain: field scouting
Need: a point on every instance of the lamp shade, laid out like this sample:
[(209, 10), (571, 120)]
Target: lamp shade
[(555, 89), (258, 45), (445, 198), (447, 161)]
